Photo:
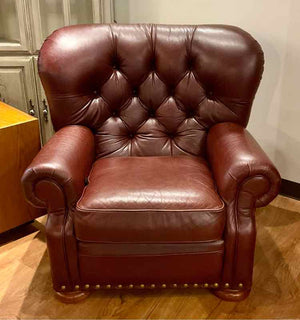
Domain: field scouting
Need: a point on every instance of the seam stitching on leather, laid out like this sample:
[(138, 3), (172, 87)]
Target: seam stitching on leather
[(218, 210), (156, 255)]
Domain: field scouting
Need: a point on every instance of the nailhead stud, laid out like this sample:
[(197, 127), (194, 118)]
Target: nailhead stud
[(241, 285), (174, 285), (63, 287)]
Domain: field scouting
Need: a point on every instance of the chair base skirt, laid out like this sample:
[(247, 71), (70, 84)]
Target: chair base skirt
[(71, 297), (231, 295)]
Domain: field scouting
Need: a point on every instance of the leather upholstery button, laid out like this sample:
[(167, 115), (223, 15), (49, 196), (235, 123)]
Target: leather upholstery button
[(190, 114), (153, 64), (131, 135), (135, 92), (210, 94), (114, 113), (151, 113)]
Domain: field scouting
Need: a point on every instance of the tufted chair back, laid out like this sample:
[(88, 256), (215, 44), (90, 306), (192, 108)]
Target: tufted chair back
[(150, 90)]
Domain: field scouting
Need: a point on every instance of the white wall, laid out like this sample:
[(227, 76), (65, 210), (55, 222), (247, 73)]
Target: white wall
[(275, 117)]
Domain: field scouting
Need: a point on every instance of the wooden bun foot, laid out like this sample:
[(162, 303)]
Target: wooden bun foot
[(71, 297), (231, 295)]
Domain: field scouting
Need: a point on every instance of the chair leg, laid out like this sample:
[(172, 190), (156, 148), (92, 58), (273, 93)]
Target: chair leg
[(71, 297), (231, 295)]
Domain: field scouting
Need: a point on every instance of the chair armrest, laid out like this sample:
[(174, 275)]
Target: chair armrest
[(241, 169), (56, 176)]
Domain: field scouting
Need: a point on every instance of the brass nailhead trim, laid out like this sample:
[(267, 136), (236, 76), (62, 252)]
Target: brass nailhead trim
[(241, 285), (142, 286)]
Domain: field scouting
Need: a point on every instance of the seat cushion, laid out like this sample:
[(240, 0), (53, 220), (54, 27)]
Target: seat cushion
[(150, 199)]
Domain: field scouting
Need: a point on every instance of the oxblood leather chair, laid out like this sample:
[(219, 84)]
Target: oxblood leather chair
[(151, 180)]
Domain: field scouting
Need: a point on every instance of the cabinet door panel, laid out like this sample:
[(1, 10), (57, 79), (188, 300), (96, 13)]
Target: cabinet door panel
[(17, 83), (12, 90), (48, 16), (14, 26)]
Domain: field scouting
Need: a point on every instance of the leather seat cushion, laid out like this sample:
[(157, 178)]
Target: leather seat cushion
[(150, 199)]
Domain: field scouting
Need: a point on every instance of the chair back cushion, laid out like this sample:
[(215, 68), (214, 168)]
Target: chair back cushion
[(150, 90)]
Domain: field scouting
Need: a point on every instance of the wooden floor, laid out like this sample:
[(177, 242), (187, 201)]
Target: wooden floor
[(25, 284)]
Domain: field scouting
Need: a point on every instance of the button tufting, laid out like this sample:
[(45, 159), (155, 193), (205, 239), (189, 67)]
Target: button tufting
[(131, 135), (114, 113), (190, 113), (190, 64), (153, 64), (210, 94), (134, 92), (171, 135), (171, 91), (151, 113)]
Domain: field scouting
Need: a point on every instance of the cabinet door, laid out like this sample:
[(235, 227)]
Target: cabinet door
[(47, 130), (17, 83), (14, 26), (48, 16)]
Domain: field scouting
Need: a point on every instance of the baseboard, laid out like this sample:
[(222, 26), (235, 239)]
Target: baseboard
[(290, 189)]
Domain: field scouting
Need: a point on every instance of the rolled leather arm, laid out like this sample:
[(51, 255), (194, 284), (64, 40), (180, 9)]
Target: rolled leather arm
[(242, 170), (56, 176)]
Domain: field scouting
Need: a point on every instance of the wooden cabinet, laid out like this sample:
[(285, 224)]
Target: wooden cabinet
[(24, 24), (20, 142)]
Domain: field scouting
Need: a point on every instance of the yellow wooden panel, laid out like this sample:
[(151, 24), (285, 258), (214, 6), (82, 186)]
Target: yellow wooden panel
[(19, 145), (10, 116)]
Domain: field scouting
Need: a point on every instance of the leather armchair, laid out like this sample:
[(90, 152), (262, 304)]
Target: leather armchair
[(151, 179)]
